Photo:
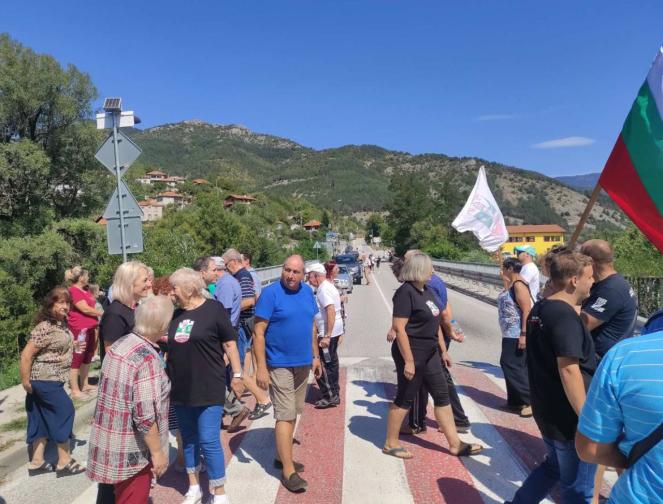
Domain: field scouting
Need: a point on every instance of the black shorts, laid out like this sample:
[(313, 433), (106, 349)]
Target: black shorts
[(428, 370)]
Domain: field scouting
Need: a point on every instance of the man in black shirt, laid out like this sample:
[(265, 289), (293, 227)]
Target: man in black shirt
[(561, 361), (610, 312)]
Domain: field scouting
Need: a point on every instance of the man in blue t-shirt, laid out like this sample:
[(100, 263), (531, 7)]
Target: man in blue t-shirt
[(286, 349), (622, 408)]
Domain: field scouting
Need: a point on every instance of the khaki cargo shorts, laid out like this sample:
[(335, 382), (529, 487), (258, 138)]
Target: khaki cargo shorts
[(287, 389)]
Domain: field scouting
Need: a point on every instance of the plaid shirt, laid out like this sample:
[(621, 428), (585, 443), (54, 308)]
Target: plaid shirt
[(133, 394)]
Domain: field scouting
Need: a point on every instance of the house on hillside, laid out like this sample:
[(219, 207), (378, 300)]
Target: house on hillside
[(238, 198), (312, 225), (152, 210), (542, 237), (200, 181), (170, 198), (174, 181), (152, 177)]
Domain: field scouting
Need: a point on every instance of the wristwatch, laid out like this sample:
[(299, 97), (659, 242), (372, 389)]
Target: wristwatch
[(237, 375)]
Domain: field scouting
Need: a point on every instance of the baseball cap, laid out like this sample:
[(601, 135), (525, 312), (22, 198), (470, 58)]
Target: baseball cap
[(526, 248), (316, 268)]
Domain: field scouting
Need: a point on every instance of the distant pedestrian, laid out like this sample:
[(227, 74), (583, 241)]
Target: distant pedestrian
[(529, 272), (610, 312), (377, 262), (286, 350), (418, 352), (329, 326), (198, 337), (513, 306), (83, 321), (129, 436), (44, 366), (367, 265), (561, 361), (620, 424)]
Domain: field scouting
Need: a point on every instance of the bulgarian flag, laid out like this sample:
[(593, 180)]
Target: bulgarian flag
[(633, 175)]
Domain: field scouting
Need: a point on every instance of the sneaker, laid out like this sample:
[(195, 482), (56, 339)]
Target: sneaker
[(324, 404), (260, 411), (238, 419), (462, 429), (336, 400), (295, 483), (526, 411), (193, 496)]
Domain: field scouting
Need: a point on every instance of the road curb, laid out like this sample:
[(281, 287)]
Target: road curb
[(17, 456), (467, 292)]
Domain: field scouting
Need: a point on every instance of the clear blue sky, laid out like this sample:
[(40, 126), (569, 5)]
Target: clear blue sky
[(467, 78)]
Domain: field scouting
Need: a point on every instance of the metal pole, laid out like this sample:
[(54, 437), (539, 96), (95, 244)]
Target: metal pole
[(119, 193)]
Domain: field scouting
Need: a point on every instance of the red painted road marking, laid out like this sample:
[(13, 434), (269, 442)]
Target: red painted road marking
[(321, 434), (434, 475)]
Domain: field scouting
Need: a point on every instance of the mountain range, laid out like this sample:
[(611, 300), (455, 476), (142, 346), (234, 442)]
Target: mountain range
[(582, 182), (353, 178)]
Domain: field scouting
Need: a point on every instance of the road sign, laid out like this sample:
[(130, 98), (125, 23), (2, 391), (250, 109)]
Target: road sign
[(133, 235), (317, 245), (130, 206), (127, 150)]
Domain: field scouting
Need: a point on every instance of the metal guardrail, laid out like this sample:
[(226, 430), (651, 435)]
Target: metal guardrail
[(648, 290), (270, 274)]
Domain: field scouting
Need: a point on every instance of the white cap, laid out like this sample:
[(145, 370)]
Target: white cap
[(316, 268)]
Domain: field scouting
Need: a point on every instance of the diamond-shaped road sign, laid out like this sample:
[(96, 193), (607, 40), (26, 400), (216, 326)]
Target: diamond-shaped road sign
[(317, 245), (130, 206), (127, 150), (133, 235)]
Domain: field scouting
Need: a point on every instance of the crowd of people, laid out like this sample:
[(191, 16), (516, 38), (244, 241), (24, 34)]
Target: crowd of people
[(179, 351)]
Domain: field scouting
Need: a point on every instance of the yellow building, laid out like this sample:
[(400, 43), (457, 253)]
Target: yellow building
[(542, 237)]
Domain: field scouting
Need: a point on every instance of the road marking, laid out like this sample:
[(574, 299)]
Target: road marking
[(370, 476), (386, 303)]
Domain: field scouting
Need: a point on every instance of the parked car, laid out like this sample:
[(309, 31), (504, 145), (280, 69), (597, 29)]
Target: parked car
[(343, 280), (352, 264)]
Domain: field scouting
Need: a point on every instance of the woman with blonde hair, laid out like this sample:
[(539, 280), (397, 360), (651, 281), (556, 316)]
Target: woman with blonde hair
[(419, 353), (83, 320), (198, 337), (130, 285)]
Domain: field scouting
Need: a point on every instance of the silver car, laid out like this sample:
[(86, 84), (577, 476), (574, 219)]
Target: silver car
[(343, 280)]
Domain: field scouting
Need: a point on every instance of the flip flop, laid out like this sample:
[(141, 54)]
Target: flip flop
[(44, 468), (394, 452), (467, 450)]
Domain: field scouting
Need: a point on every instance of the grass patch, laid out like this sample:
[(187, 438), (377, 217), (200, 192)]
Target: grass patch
[(7, 444), (9, 375), (18, 424), (20, 409)]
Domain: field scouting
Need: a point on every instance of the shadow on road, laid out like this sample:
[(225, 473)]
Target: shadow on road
[(485, 367)]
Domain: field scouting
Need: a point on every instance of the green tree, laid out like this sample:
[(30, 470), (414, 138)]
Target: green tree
[(325, 221), (375, 225), (410, 203)]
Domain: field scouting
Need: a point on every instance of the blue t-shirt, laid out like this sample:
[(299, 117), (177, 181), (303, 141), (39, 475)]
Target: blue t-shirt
[(229, 293), (624, 402), (289, 334), (439, 290)]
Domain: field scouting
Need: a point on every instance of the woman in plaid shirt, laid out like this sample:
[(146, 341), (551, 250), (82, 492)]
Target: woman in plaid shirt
[(129, 437)]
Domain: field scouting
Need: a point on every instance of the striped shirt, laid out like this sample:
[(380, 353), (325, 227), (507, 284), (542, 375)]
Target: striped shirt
[(625, 402), (248, 291)]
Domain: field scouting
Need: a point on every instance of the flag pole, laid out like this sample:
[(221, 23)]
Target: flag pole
[(585, 215)]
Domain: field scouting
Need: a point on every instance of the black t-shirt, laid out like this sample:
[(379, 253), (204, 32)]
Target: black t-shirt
[(613, 302), (195, 355), (554, 329), (117, 321), (423, 314)]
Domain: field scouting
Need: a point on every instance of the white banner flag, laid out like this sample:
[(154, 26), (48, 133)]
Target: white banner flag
[(482, 216)]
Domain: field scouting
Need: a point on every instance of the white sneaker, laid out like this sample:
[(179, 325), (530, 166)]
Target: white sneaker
[(193, 497)]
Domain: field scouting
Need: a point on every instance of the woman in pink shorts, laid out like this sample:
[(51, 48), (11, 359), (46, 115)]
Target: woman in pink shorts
[(83, 317)]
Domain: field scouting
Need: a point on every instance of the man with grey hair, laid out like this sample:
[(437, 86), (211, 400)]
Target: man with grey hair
[(286, 349)]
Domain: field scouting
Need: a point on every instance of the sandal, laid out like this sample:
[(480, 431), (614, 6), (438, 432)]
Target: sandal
[(398, 452), (467, 450), (44, 468), (71, 469)]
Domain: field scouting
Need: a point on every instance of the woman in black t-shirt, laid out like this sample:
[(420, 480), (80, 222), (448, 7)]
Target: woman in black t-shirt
[(199, 335), (418, 352)]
